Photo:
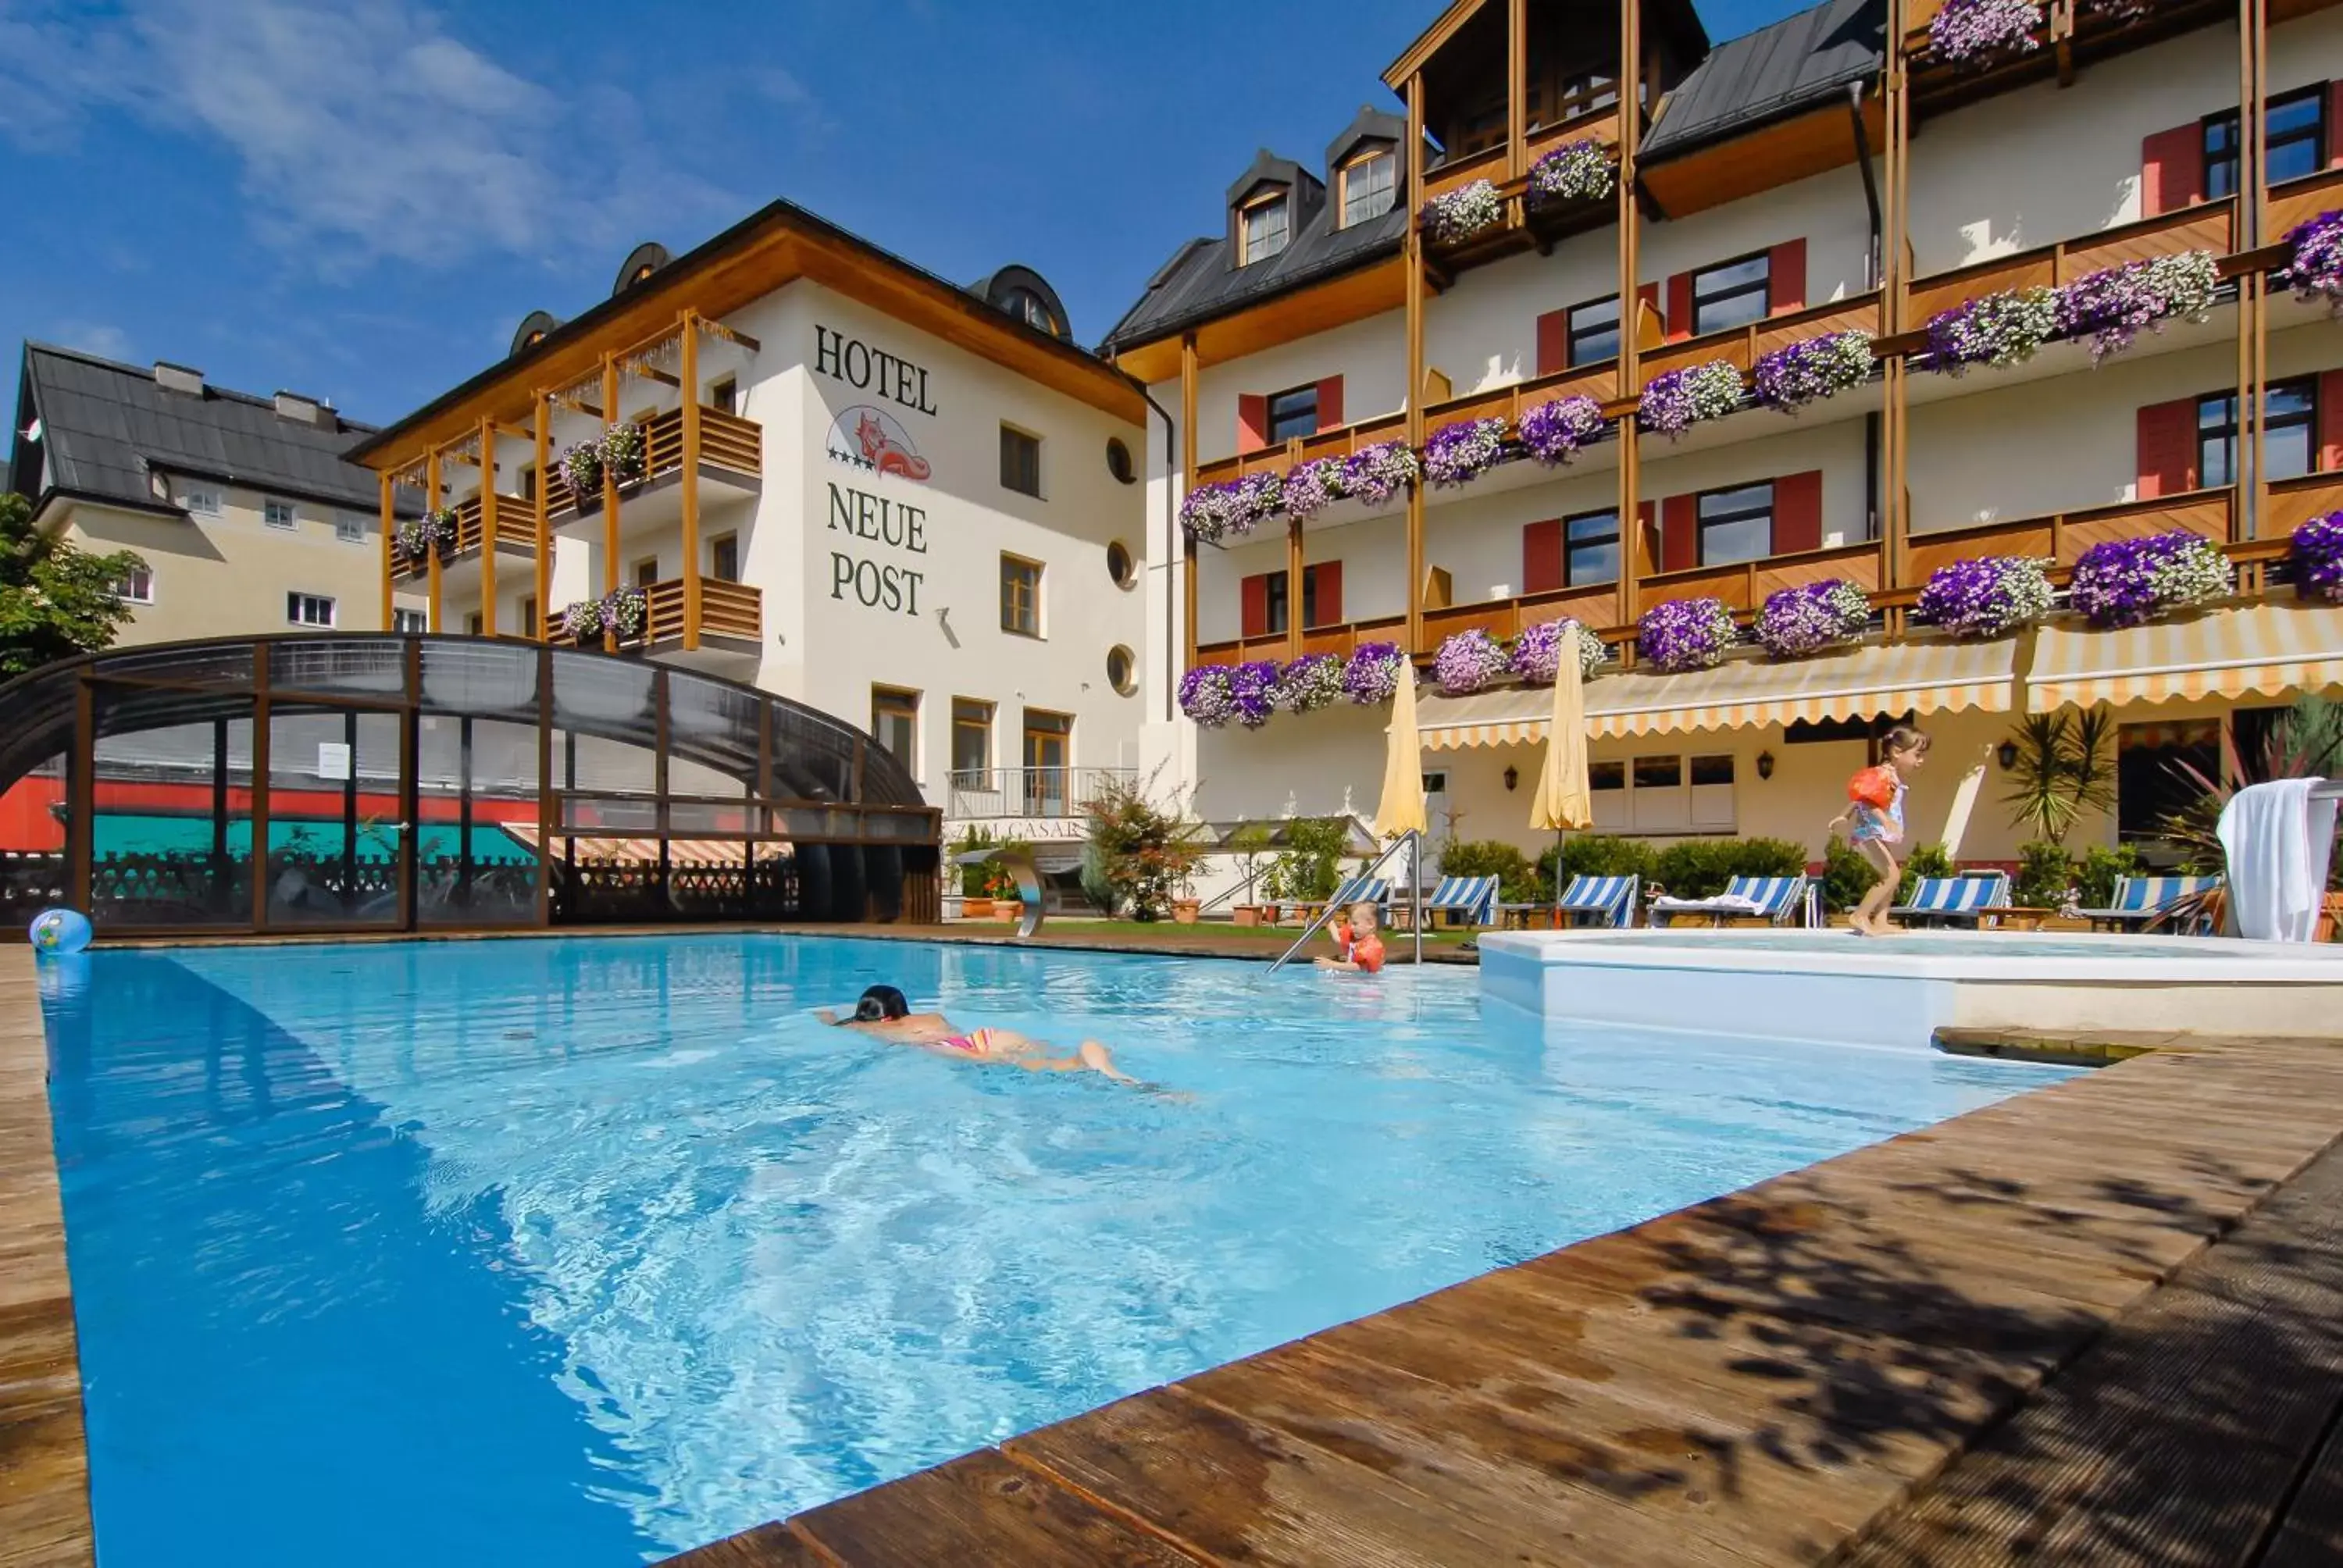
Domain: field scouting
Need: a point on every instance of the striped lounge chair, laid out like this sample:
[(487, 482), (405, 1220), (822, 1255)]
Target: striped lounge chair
[(2142, 901), (1968, 898), (1374, 890), (1599, 901), (1770, 899), (1471, 901)]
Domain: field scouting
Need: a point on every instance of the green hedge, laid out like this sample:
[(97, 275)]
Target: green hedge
[(1517, 879), (1694, 869)]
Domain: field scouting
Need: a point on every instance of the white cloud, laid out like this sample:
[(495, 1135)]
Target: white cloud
[(362, 128), (92, 337)]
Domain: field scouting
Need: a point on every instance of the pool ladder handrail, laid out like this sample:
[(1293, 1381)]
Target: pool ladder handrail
[(1410, 841)]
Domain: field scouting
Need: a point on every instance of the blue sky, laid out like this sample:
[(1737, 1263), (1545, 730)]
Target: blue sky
[(359, 199)]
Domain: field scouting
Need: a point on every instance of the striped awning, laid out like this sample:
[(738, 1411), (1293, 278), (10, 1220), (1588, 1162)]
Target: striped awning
[(646, 851), (1924, 677), (2271, 649)]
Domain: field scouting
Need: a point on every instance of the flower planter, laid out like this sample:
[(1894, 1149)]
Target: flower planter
[(2331, 915), (1246, 914), (1008, 908), (976, 908), (1185, 910)]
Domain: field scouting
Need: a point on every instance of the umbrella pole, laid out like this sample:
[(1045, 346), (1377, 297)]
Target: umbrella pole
[(1416, 893)]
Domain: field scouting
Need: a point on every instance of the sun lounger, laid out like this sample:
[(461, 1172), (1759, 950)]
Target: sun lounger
[(1773, 899), (1970, 899), (2142, 901), (1471, 901), (1599, 901)]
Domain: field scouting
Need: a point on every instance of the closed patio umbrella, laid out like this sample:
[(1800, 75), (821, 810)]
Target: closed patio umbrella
[(1562, 801), (1401, 810)]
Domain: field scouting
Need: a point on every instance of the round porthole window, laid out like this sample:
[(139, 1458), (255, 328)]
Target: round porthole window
[(1122, 669), (1119, 566), (1118, 461)]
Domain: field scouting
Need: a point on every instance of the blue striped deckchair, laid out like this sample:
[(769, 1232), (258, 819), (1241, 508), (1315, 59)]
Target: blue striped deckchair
[(1771, 899), (1611, 899), (1361, 889), (1471, 899), (1963, 899), (2142, 900)]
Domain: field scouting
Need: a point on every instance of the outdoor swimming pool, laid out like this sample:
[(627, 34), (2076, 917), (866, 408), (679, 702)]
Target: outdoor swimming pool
[(586, 1250)]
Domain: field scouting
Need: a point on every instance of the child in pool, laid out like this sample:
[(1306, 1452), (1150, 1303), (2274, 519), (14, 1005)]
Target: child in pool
[(1877, 810), (884, 1014), (1357, 949)]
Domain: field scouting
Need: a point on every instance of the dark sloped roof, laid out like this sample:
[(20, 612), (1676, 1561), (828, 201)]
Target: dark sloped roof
[(106, 425), (1792, 64), (1201, 281)]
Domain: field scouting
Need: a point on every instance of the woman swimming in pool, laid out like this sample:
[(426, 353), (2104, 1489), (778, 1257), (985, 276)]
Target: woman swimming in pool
[(884, 1014)]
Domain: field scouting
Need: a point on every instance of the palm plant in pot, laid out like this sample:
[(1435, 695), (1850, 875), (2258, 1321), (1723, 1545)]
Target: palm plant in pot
[(2064, 770)]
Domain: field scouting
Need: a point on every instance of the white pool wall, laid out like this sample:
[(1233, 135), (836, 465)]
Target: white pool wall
[(1899, 990)]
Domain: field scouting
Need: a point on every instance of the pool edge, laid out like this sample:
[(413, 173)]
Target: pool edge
[(44, 1513)]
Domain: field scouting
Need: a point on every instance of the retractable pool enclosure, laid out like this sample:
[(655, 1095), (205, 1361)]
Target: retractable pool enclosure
[(331, 782)]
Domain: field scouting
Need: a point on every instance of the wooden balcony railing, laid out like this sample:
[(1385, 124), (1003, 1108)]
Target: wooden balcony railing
[(1522, 222), (2209, 225), (727, 442), (1340, 442), (2061, 538), (731, 610), (516, 525), (2294, 502), (1742, 345), (1506, 618), (1509, 403), (726, 609), (2298, 201), (1745, 585)]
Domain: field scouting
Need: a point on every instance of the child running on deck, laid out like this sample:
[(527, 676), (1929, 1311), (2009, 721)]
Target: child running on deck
[(1877, 810), (1357, 949)]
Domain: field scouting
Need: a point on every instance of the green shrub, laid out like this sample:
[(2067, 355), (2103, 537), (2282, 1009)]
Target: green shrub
[(1593, 855), (1846, 876), (1927, 861), (1517, 881), (1311, 867), (1146, 853), (2044, 875), (1098, 885), (2096, 873), (976, 881), (1694, 869)]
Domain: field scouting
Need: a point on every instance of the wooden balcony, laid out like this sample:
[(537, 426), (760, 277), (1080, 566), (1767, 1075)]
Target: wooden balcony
[(731, 454), (1742, 347), (2294, 502), (1522, 224), (2061, 538), (2209, 225), (728, 612), (2073, 35), (1339, 442), (1595, 605), (1744, 586), (1339, 640), (1509, 403), (2298, 201)]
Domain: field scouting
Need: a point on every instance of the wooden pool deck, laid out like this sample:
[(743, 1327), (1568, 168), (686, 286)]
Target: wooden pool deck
[(2100, 1323)]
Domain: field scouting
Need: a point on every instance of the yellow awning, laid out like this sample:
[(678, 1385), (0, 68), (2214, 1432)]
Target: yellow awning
[(1924, 677), (2272, 648)]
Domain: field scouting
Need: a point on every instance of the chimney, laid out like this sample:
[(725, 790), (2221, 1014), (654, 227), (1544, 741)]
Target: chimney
[(173, 377), (303, 410)]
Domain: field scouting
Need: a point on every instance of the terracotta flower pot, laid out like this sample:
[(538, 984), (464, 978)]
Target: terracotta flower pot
[(1246, 914), (976, 908), (1184, 910), (2331, 915)]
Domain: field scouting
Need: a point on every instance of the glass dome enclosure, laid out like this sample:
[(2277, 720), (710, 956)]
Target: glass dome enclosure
[(332, 782)]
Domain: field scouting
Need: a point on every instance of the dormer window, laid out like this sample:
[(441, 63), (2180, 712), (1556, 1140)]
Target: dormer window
[(1370, 182), (1264, 224)]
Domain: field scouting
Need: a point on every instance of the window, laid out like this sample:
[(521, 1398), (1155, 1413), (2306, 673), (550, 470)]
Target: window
[(1483, 128), (2289, 425), (1736, 524), (1118, 461), (2295, 132), (349, 528), (972, 739), (1119, 566), (201, 499), (645, 571), (277, 514), (1712, 790), (1369, 185), (1262, 228), (309, 608), (1293, 414), (1590, 549), (724, 558), (409, 622), (1020, 595), (1593, 332), (1121, 670), (1732, 294), (1020, 461), (1049, 748), (2149, 784), (529, 627), (476, 624), (724, 395), (1278, 601), (1032, 310), (136, 586), (895, 722)]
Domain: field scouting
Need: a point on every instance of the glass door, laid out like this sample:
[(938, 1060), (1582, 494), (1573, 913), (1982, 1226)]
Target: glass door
[(1047, 738), (337, 818)]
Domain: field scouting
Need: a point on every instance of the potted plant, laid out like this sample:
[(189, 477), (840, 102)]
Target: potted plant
[(1186, 907), (975, 889), (623, 451), (1145, 853), (1249, 843)]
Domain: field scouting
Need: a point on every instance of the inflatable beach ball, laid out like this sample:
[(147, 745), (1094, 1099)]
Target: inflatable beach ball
[(60, 932)]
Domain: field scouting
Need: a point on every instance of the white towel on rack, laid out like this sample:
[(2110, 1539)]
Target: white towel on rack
[(2278, 838)]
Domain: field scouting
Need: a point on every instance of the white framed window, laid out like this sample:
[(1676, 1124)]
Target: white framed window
[(1370, 182), (1263, 226), (349, 528), (409, 622), (277, 514), (1664, 793), (203, 500), (136, 586), (309, 608)]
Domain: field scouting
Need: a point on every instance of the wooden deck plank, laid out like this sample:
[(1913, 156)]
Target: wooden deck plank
[(2311, 1533), (981, 1508), (775, 1545)]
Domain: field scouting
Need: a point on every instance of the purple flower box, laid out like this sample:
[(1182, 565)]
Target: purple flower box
[(1375, 474), (1467, 662), (1987, 596), (1538, 651), (1685, 634), (1372, 673), (2318, 558), (1797, 374), (2127, 582), (1812, 616), (1676, 399), (1310, 682), (1252, 691), (1968, 31), (1461, 452), (2315, 265), (1557, 430), (1204, 696)]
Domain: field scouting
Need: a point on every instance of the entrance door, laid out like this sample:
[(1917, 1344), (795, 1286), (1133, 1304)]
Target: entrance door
[(1048, 741), (334, 818)]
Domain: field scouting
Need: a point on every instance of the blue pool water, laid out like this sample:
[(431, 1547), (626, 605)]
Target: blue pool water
[(587, 1251)]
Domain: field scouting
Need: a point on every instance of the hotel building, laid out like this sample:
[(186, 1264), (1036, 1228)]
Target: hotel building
[(1841, 171), (907, 503)]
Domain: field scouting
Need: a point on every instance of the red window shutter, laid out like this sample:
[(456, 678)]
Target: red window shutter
[(2168, 448), (1679, 313), (1798, 512), (2330, 421), (1330, 403), (1647, 294), (2335, 123), (1326, 589), (1553, 342), (1786, 276), (2172, 169), (1255, 623), (1645, 543), (1679, 533), (1542, 557), (1252, 422)]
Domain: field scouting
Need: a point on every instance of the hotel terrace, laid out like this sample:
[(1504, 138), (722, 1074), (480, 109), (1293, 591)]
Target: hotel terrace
[(1861, 168)]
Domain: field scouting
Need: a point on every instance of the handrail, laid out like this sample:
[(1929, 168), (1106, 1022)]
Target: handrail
[(1409, 839), (1243, 887)]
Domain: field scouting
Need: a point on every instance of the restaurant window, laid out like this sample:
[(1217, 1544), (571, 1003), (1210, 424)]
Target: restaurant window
[(1590, 549), (2295, 131), (1020, 461), (2290, 423), (724, 558), (1048, 757), (895, 722), (1020, 595), (1277, 602), (1736, 524), (1732, 294), (1593, 332), (309, 608), (971, 740), (1369, 185), (1293, 413), (1263, 227)]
